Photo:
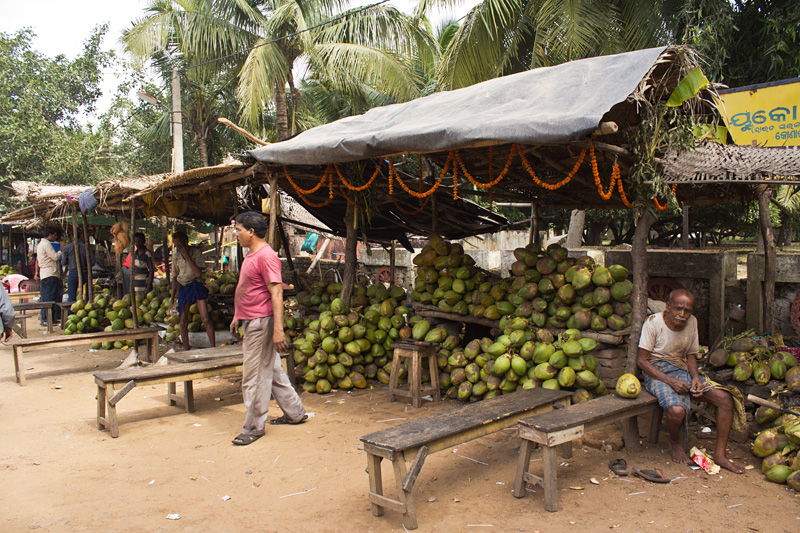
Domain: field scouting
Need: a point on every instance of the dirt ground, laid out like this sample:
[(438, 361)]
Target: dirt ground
[(58, 472)]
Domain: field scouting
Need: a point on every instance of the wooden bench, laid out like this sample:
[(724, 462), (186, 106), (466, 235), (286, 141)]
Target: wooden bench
[(20, 326), (37, 306), (123, 381), (65, 309), (208, 354), (565, 425), (20, 346), (23, 295), (416, 439)]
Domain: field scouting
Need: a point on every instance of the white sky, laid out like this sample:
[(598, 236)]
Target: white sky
[(61, 27)]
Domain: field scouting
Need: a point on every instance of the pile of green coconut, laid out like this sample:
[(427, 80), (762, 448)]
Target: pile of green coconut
[(546, 287)]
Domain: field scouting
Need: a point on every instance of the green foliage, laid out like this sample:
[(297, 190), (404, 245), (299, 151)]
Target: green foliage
[(41, 101)]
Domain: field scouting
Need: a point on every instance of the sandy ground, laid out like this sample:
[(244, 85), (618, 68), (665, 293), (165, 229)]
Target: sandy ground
[(58, 472)]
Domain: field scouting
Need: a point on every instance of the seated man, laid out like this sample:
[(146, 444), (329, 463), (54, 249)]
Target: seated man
[(668, 348)]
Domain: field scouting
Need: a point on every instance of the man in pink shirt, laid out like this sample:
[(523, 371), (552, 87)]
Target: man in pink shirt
[(258, 304)]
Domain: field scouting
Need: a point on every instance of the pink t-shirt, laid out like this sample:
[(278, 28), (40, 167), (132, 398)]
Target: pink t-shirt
[(259, 269)]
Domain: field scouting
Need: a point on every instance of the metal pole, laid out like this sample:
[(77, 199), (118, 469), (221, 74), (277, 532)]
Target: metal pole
[(177, 124)]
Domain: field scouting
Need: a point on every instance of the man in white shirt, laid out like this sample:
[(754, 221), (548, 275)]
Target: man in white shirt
[(668, 349), (51, 288)]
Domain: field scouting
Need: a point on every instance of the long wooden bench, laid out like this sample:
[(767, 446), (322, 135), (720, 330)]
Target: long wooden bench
[(207, 354), (114, 385), (24, 295), (564, 426), (21, 346), (416, 439)]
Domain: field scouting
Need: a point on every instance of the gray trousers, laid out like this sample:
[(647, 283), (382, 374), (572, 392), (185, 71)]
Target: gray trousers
[(264, 377)]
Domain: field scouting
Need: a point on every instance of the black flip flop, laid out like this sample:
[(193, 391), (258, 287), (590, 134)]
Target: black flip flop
[(654, 476), (286, 420), (619, 467), (244, 440)]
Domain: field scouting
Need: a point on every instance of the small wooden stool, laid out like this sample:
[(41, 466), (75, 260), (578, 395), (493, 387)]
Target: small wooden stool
[(415, 352)]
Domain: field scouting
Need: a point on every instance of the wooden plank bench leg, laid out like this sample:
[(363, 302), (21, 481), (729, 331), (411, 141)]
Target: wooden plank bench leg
[(434, 369), (655, 424), (172, 394), (406, 497), (19, 365), (522, 467), (101, 407), (630, 433), (375, 480), (394, 376), (112, 411), (416, 381), (188, 392), (550, 481)]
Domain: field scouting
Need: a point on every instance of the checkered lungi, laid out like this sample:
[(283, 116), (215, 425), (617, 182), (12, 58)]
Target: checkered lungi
[(666, 395)]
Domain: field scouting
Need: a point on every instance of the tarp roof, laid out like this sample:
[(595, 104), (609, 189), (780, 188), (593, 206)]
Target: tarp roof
[(542, 106)]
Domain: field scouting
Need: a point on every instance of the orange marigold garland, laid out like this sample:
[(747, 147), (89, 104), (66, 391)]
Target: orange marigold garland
[(394, 175), (492, 183), (549, 186), (624, 198), (664, 207), (312, 190), (359, 188)]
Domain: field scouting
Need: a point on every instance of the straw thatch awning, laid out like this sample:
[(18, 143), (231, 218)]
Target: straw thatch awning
[(715, 163)]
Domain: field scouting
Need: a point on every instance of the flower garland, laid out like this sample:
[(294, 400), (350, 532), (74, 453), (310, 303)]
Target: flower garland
[(624, 198), (331, 193), (393, 175), (314, 189), (548, 186), (666, 204), (492, 183), (352, 187)]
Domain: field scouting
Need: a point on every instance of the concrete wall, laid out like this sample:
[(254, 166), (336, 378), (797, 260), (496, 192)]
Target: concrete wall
[(787, 284)]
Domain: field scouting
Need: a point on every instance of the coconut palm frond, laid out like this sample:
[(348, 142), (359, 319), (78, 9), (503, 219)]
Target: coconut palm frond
[(265, 69)]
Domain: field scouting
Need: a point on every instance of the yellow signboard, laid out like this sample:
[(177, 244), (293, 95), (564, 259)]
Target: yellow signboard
[(767, 114)]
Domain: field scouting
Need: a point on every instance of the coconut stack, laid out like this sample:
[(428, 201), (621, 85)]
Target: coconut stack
[(778, 445), (343, 346), (766, 363), (545, 286), (522, 357), (219, 283)]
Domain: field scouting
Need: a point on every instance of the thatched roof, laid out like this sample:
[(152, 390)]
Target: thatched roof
[(714, 163)]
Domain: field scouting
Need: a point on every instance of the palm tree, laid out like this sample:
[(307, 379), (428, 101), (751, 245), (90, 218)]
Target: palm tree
[(200, 38), (347, 50), (499, 37)]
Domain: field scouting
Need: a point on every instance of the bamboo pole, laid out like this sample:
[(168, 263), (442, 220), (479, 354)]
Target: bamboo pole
[(768, 236), (77, 252), (217, 246), (391, 263), (165, 251), (273, 210), (349, 254), (89, 284), (133, 265), (685, 231), (118, 260)]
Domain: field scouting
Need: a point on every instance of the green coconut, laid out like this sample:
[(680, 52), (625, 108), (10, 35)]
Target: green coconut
[(743, 371), (566, 377), (761, 373), (777, 368), (618, 272), (778, 473), (628, 386), (581, 395), (602, 277), (793, 480), (774, 459), (766, 443)]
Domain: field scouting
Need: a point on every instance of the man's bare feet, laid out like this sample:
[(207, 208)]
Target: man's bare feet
[(678, 454), (725, 463)]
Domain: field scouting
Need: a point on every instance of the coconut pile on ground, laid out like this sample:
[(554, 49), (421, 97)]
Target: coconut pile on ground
[(545, 286), (765, 360)]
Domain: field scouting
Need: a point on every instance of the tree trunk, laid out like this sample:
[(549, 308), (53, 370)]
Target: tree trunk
[(577, 221), (349, 254), (768, 237), (202, 147), (281, 112), (639, 299), (273, 211), (295, 103)]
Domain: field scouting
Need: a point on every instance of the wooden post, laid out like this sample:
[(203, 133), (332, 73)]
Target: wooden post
[(273, 210), (639, 300), (533, 238), (77, 251), (391, 263), (434, 216), (685, 231), (89, 285), (118, 260), (289, 260), (768, 236), (350, 254), (133, 265), (217, 246), (165, 247)]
